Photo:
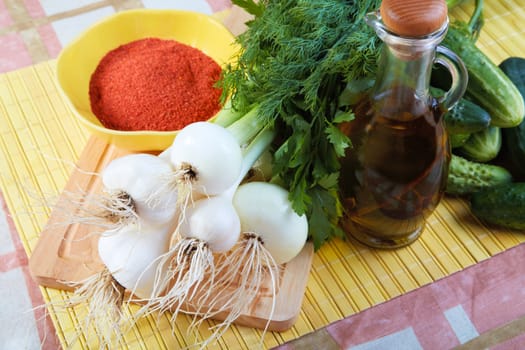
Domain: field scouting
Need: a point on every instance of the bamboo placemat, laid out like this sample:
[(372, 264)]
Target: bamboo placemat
[(40, 142)]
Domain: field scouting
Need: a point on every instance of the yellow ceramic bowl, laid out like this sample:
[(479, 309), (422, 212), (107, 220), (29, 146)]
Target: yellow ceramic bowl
[(77, 62)]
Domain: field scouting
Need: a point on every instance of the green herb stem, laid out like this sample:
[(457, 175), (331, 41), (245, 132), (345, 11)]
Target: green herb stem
[(251, 153), (259, 144), (244, 129), (227, 115), (476, 20)]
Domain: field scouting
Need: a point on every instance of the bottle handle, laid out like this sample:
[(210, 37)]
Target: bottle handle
[(458, 71)]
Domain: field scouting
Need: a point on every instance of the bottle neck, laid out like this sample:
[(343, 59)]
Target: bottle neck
[(405, 64), (400, 69)]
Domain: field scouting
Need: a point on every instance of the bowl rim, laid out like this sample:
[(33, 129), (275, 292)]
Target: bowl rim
[(100, 129)]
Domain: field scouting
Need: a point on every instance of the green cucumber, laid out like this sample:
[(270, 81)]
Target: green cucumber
[(514, 138), (458, 140), (466, 177), (482, 146), (488, 86), (515, 148), (503, 205), (466, 117)]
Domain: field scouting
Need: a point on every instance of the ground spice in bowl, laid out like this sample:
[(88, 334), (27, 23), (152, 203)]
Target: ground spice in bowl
[(154, 84)]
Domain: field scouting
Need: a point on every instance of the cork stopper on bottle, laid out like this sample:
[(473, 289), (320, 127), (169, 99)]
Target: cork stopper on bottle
[(413, 18)]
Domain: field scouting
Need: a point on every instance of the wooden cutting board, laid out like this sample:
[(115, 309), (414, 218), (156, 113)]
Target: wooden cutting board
[(68, 252)]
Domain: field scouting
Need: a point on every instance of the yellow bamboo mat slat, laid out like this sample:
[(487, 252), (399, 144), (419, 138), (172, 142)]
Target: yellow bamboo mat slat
[(40, 142)]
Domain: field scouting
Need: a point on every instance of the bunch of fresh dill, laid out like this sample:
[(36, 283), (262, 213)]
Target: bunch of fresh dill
[(296, 58)]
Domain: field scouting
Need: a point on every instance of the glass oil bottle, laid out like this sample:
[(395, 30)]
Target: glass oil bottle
[(394, 176)]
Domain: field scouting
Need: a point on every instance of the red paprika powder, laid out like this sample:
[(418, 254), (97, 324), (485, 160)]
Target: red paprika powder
[(154, 84)]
